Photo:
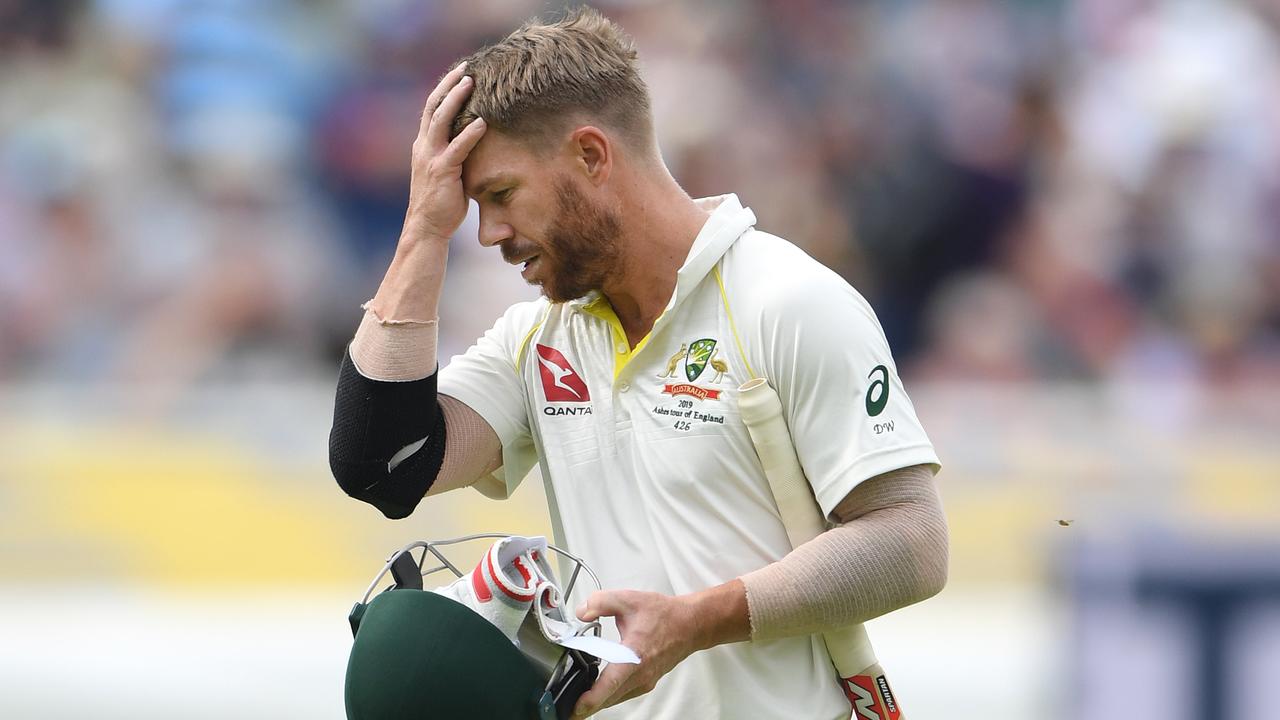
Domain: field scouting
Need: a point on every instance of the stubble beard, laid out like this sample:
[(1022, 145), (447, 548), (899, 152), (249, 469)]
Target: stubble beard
[(582, 244)]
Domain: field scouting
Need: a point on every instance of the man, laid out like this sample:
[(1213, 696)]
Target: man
[(621, 384)]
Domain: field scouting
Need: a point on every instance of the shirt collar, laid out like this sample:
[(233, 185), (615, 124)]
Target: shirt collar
[(728, 221)]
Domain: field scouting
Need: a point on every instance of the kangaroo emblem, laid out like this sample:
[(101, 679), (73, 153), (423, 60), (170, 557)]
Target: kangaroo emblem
[(674, 362), (558, 374)]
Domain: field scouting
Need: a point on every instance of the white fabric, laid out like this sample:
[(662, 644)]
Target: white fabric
[(664, 492), (512, 579), (502, 586)]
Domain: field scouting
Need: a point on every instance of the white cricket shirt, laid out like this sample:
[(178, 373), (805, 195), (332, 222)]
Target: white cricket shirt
[(652, 477)]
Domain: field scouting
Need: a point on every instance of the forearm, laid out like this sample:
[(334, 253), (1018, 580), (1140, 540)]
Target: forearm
[(388, 439), (394, 377), (410, 290), (387, 356), (891, 552), (721, 615), (394, 351), (387, 445)]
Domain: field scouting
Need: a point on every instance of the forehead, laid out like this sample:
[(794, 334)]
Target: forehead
[(498, 157)]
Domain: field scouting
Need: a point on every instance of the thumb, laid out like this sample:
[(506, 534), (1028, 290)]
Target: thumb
[(602, 603)]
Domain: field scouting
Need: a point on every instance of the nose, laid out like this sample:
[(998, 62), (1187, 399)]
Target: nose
[(493, 231)]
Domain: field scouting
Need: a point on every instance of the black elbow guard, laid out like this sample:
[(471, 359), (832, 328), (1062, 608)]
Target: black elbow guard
[(372, 421)]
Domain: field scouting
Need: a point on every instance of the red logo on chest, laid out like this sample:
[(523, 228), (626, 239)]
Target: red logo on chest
[(560, 382)]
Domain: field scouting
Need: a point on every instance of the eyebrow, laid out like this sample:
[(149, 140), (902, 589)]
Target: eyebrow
[(482, 187)]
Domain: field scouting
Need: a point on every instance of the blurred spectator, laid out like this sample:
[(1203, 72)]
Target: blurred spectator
[(1069, 189)]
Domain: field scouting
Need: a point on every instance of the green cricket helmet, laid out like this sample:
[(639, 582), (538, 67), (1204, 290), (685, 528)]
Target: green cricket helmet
[(421, 654)]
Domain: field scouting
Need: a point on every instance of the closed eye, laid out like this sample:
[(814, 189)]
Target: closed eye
[(501, 196)]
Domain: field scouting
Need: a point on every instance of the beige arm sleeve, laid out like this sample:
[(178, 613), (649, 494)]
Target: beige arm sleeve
[(471, 449), (394, 350), (889, 551), (399, 351)]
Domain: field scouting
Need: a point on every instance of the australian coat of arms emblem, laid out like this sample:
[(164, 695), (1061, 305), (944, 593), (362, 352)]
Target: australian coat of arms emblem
[(696, 356)]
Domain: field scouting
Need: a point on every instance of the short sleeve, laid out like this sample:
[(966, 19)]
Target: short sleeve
[(849, 415), (487, 379)]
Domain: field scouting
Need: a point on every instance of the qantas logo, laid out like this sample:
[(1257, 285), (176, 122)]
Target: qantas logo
[(560, 382)]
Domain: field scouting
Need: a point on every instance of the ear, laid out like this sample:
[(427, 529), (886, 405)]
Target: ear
[(592, 153)]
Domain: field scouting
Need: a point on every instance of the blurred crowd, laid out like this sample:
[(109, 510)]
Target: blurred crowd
[(1029, 190)]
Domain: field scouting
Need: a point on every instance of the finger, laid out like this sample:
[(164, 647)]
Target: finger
[(602, 603), (442, 118), (625, 694), (611, 682), (437, 95), (461, 146)]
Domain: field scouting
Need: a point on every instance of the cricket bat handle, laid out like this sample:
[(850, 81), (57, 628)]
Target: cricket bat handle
[(761, 412)]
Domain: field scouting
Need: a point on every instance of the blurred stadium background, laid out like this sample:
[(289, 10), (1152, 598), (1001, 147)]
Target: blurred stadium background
[(1066, 212)]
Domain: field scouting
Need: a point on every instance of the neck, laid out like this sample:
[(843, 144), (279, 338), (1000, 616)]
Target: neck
[(660, 225)]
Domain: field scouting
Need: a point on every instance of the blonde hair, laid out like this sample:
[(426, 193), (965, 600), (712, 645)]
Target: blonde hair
[(534, 80)]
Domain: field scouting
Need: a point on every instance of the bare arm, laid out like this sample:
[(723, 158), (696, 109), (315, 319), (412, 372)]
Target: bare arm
[(410, 291), (390, 438), (889, 551)]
